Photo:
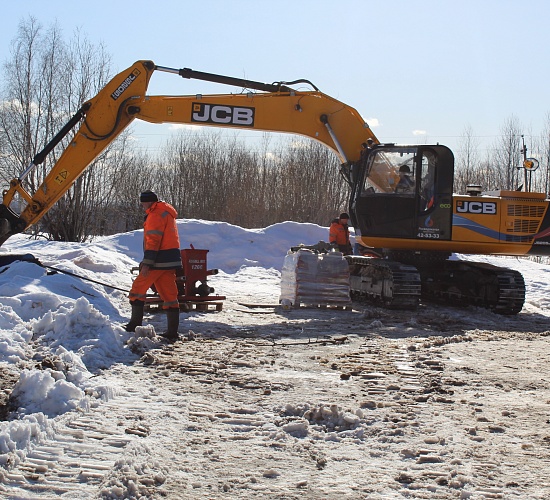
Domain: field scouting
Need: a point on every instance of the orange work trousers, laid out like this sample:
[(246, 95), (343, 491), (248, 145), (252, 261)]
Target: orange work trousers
[(165, 284)]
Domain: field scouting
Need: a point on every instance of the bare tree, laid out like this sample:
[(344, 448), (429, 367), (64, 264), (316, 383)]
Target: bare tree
[(215, 177), (22, 113), (507, 156), (541, 150), (45, 81), (130, 172), (467, 161), (310, 186)]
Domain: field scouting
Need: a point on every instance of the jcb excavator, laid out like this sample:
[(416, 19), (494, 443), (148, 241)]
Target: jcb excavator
[(410, 234)]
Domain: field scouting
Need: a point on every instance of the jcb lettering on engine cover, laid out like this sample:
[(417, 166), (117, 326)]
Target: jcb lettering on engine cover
[(223, 115), (476, 207)]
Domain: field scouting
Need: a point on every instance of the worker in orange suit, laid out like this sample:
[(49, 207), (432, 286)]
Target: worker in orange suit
[(161, 258), (339, 234)]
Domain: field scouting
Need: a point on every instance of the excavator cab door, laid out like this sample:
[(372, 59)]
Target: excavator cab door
[(405, 192)]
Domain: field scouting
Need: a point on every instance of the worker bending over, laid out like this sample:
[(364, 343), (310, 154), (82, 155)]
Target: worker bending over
[(339, 234)]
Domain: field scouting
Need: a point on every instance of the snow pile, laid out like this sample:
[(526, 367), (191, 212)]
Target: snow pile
[(134, 475), (323, 419), (58, 331)]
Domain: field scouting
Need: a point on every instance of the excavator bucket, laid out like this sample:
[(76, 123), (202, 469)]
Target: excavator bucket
[(10, 223)]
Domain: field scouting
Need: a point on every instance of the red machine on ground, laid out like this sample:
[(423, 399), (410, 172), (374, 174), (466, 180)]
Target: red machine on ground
[(193, 289)]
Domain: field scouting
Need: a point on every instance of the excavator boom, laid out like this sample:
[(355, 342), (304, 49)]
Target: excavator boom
[(103, 119), (271, 107)]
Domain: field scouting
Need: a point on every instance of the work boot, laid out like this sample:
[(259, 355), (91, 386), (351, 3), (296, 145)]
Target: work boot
[(173, 321), (137, 315)]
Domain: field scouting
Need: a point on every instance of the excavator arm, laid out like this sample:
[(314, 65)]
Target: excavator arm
[(102, 119), (276, 107)]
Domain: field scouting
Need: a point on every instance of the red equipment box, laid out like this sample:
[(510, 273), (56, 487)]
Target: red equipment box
[(194, 271), (193, 289)]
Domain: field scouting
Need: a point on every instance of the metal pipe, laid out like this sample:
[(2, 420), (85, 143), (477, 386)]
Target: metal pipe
[(227, 80), (324, 120), (40, 157)]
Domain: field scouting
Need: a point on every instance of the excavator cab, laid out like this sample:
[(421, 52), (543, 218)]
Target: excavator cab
[(404, 192)]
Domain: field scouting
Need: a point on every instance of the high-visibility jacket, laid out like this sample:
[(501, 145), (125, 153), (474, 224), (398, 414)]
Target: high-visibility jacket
[(338, 233), (161, 242)]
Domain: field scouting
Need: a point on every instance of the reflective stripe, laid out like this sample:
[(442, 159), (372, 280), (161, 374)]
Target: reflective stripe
[(163, 259), (155, 231), (168, 265)]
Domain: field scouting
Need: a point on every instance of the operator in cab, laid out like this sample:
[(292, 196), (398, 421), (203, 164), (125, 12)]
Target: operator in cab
[(161, 258), (339, 234), (405, 184)]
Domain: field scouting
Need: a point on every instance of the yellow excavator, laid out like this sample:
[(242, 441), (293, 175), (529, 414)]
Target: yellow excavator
[(409, 234)]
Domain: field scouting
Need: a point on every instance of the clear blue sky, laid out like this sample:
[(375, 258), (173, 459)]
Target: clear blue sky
[(416, 70)]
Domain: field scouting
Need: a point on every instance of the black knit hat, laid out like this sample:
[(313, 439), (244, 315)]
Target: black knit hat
[(147, 196), (344, 216), (404, 169)]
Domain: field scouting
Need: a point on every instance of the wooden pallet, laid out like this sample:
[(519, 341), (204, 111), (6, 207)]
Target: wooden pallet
[(256, 305), (201, 306), (344, 307), (338, 307)]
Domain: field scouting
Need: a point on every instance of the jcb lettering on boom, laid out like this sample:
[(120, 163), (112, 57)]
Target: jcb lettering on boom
[(225, 115), (476, 207), (125, 84)]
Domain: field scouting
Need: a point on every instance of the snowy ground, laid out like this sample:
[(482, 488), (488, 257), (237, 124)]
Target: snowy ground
[(260, 402)]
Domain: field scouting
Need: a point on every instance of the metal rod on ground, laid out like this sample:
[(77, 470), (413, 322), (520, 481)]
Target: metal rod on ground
[(84, 278)]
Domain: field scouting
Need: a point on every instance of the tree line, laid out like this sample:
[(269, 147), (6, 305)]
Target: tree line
[(500, 167), (204, 175)]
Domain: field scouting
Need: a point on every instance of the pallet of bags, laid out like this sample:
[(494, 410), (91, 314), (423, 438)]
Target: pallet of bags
[(315, 278)]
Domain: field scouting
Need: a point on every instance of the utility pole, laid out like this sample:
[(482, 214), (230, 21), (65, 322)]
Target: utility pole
[(529, 165)]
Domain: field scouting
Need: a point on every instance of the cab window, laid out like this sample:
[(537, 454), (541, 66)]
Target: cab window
[(391, 171)]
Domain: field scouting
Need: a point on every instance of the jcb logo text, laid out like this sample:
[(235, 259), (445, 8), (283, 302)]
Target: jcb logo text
[(223, 115), (125, 84), (476, 207)]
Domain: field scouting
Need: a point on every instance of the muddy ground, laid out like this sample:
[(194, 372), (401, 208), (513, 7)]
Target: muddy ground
[(258, 402)]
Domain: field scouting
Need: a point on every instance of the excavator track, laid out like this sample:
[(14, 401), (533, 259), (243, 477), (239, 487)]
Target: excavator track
[(392, 284), (499, 289), (397, 285)]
